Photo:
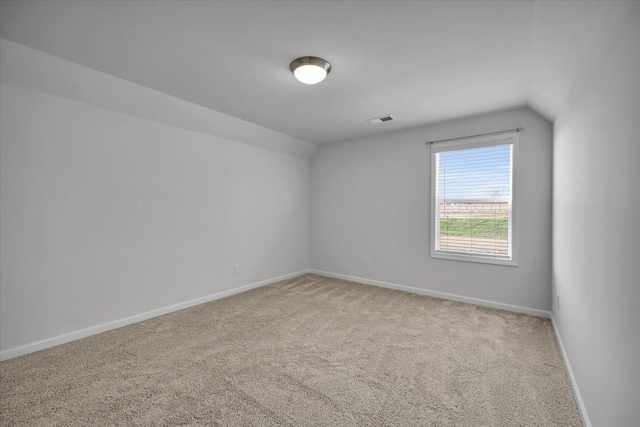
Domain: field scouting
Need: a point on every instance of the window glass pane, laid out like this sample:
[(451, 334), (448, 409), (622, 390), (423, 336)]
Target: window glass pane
[(473, 201)]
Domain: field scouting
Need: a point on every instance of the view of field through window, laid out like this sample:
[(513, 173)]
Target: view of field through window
[(473, 188), (475, 227)]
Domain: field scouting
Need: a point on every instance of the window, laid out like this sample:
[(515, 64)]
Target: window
[(473, 199)]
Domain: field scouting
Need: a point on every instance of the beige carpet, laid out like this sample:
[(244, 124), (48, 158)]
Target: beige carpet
[(310, 351)]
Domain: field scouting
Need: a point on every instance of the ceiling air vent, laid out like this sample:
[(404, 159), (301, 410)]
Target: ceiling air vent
[(380, 120)]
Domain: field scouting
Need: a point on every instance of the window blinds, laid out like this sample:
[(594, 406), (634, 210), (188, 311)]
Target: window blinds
[(473, 202)]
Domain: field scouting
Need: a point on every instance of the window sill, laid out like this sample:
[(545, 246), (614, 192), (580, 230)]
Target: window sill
[(474, 258)]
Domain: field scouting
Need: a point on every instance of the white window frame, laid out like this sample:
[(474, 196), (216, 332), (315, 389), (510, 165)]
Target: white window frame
[(479, 142)]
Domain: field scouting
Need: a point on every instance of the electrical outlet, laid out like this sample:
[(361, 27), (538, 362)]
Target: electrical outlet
[(367, 261), (236, 269)]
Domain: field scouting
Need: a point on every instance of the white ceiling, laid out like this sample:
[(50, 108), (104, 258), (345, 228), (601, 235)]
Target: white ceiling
[(421, 62)]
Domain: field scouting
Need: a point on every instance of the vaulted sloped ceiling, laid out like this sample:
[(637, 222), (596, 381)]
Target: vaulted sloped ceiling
[(422, 62)]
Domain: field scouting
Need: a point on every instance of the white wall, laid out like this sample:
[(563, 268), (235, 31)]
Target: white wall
[(105, 215), (370, 198), (596, 221)]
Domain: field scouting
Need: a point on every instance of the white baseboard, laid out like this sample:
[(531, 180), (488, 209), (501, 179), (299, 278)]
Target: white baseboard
[(93, 330), (574, 385), (453, 297)]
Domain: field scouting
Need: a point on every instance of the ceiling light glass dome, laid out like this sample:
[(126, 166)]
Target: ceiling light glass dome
[(310, 69)]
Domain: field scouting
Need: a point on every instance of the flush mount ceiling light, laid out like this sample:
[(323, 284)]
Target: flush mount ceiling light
[(310, 69)]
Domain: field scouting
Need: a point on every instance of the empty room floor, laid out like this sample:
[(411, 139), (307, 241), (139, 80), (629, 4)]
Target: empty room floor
[(306, 351)]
